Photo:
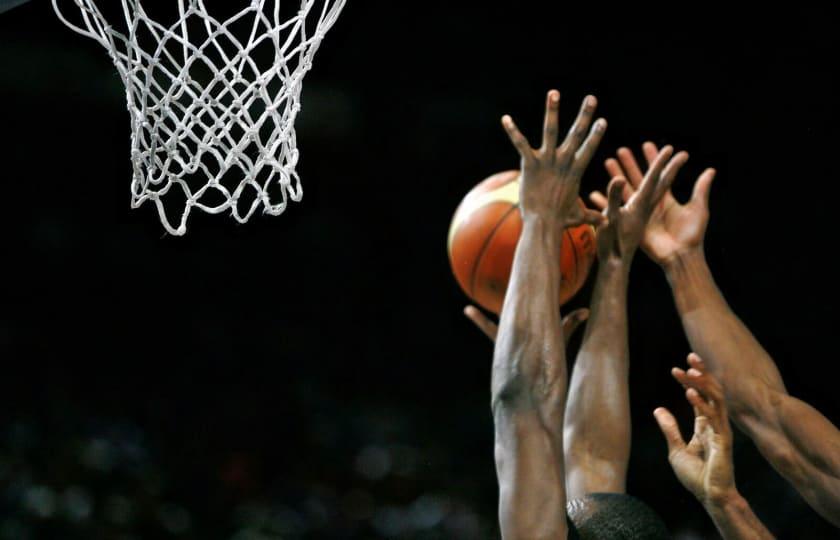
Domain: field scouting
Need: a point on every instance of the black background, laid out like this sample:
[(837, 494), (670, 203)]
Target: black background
[(311, 375)]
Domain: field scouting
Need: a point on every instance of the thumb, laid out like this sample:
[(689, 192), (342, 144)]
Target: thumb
[(670, 429), (572, 321), (702, 187), (615, 192), (481, 320)]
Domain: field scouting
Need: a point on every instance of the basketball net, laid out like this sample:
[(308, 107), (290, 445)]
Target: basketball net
[(213, 102)]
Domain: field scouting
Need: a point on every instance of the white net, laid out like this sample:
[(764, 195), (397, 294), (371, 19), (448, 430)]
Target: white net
[(213, 99)]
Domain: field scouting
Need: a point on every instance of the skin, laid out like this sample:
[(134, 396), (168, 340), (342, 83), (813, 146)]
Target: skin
[(597, 420), (536, 442), (529, 377), (704, 465), (798, 441)]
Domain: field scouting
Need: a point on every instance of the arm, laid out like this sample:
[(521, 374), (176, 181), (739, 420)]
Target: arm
[(529, 363), (571, 322), (797, 440), (597, 422), (704, 465)]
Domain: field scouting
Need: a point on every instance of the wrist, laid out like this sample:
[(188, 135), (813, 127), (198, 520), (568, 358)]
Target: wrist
[(614, 265), (682, 259), (725, 503), (687, 267), (535, 217), (549, 227)]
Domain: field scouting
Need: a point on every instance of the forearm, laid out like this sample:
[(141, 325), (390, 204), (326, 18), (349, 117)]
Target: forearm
[(730, 350), (736, 521), (531, 478), (798, 441), (597, 426), (529, 388), (529, 358)]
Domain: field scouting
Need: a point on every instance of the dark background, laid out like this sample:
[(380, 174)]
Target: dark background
[(311, 375)]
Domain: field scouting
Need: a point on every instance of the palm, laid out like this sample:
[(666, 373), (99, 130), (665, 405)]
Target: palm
[(689, 466), (704, 466), (550, 181), (674, 227), (622, 234), (628, 224)]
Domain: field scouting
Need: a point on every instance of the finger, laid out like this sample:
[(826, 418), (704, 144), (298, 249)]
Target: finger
[(699, 401), (702, 188), (483, 323), (631, 167), (551, 127), (593, 217), (647, 188), (590, 145), (679, 375), (706, 383), (517, 138), (650, 151), (613, 168), (712, 410), (578, 131), (696, 362), (627, 192), (692, 379), (572, 321), (668, 176), (598, 199), (615, 192), (700, 423), (670, 429)]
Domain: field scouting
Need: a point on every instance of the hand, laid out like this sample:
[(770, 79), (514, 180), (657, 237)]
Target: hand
[(550, 181), (704, 465), (490, 329), (626, 225), (673, 228)]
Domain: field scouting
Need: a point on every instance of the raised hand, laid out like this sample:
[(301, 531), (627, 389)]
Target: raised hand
[(570, 322), (551, 175), (673, 228), (704, 465), (627, 224)]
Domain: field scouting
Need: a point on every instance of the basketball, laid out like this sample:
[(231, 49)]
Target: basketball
[(483, 237)]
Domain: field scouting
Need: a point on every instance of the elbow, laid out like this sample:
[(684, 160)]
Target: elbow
[(517, 371), (763, 411), (510, 390), (786, 460)]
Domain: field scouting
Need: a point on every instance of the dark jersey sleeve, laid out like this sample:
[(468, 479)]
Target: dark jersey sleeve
[(573, 535)]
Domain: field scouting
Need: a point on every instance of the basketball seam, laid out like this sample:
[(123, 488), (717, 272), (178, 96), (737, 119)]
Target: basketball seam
[(485, 246)]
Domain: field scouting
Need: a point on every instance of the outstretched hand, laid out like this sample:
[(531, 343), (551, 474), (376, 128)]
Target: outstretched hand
[(673, 228), (626, 224), (570, 322), (704, 465), (551, 174)]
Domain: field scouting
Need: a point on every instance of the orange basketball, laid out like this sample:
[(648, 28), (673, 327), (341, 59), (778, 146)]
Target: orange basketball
[(483, 237)]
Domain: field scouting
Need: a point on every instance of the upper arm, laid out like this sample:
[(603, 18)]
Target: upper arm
[(529, 464), (802, 445)]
